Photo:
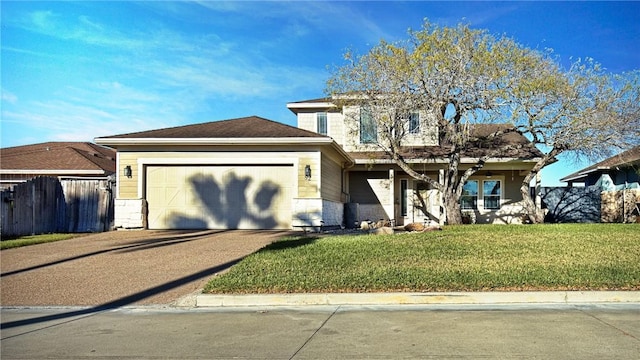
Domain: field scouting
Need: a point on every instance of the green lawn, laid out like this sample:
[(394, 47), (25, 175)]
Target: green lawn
[(460, 258), (34, 239)]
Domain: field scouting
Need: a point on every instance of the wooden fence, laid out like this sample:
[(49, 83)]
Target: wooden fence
[(48, 205)]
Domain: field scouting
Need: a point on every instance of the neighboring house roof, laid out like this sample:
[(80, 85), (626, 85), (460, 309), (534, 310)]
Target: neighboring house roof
[(627, 158), (58, 158), (511, 144), (247, 127)]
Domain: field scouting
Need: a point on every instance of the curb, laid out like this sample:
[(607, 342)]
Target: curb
[(450, 298)]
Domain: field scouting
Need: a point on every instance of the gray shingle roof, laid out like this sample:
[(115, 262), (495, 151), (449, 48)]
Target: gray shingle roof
[(58, 156), (512, 144), (627, 158), (246, 127)]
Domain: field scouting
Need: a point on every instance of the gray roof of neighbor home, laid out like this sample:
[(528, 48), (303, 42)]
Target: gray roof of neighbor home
[(626, 158), (58, 156)]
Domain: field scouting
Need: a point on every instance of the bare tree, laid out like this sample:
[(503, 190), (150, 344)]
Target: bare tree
[(461, 76), (584, 112), (458, 76)]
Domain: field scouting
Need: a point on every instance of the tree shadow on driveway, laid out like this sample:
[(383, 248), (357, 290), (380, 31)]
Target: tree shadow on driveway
[(127, 300), (140, 245), (169, 278)]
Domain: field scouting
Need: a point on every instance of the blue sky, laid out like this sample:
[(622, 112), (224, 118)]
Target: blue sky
[(73, 71)]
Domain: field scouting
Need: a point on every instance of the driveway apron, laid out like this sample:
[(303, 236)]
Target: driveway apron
[(120, 268)]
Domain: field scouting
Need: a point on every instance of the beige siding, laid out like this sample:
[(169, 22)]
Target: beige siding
[(309, 188), (428, 135), (350, 131), (336, 127), (331, 180), (128, 187), (335, 124), (307, 121), (512, 181)]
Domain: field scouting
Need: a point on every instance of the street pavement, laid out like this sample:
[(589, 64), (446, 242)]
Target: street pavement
[(552, 331)]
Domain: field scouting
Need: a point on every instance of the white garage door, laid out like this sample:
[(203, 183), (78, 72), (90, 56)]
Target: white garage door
[(219, 197)]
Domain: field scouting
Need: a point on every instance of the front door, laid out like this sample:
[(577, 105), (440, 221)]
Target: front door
[(426, 203)]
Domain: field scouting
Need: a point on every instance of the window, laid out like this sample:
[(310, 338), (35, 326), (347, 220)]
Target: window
[(404, 187), (469, 198), (414, 123), (321, 119), (491, 194), (368, 127)]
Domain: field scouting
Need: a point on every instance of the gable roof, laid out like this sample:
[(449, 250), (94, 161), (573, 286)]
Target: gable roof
[(511, 144), (252, 130), (246, 127), (58, 157), (627, 158)]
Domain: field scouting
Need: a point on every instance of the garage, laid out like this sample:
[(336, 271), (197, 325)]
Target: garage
[(219, 196)]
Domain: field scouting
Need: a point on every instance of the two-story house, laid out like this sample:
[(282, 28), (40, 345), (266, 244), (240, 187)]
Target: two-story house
[(379, 189), (254, 173)]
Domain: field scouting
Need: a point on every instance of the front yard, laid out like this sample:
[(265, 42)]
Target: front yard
[(460, 258)]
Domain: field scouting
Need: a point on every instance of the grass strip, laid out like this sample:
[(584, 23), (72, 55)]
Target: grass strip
[(460, 258), (34, 239)]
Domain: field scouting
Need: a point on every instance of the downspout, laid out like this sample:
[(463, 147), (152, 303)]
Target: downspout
[(348, 165)]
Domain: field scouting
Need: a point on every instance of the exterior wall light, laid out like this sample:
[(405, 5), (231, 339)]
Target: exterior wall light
[(127, 171), (307, 172)]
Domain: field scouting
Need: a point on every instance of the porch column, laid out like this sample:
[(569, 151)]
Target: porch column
[(391, 207), (538, 184), (442, 214)]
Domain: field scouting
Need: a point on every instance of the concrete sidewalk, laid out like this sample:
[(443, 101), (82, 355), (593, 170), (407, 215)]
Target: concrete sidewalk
[(606, 331), (449, 298)]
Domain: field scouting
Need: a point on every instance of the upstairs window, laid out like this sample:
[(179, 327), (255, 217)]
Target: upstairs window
[(321, 119), (414, 123), (368, 127)]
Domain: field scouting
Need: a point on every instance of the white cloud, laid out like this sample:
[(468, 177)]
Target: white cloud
[(152, 78), (9, 97)]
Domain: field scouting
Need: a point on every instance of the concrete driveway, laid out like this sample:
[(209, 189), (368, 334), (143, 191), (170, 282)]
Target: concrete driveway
[(121, 268)]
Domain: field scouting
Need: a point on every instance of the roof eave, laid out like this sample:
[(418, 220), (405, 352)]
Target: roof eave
[(583, 174), (309, 106), (445, 161), (215, 141)]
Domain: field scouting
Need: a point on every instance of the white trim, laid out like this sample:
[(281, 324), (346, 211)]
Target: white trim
[(218, 161), (326, 140), (443, 161), (216, 141), (310, 105)]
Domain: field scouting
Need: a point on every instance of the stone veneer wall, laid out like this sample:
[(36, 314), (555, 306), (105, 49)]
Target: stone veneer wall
[(332, 213), (620, 206), (313, 213), (130, 214)]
